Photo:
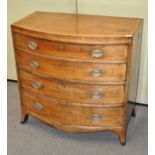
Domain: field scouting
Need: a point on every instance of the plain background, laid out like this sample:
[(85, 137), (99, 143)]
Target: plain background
[(127, 8)]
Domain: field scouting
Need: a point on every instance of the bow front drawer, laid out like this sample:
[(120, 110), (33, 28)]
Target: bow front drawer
[(81, 52), (71, 115), (67, 70), (73, 93)]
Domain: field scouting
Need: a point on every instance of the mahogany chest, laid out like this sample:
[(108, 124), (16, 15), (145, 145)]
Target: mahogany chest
[(78, 72)]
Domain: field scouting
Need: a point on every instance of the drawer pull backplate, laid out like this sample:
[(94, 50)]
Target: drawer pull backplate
[(32, 45), (96, 95), (96, 73), (38, 106), (36, 85), (96, 117), (97, 53), (34, 64)]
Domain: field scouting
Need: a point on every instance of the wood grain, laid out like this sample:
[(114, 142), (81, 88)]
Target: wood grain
[(76, 115), (66, 70), (91, 29), (74, 93), (111, 53)]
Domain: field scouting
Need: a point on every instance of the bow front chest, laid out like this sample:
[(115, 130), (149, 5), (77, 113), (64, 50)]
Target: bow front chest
[(78, 72)]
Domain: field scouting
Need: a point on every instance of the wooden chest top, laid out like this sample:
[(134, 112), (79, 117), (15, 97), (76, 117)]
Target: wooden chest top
[(79, 28)]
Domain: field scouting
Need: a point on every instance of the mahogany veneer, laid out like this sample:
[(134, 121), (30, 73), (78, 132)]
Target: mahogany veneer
[(77, 72)]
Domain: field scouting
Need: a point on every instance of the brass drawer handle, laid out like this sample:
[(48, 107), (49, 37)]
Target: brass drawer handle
[(38, 106), (96, 73), (32, 45), (96, 117), (34, 64), (97, 53), (96, 95), (36, 85)]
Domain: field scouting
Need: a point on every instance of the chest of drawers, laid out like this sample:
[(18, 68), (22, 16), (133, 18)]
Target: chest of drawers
[(77, 72)]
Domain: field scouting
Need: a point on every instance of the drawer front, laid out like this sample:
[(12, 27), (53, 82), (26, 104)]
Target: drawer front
[(71, 115), (73, 92), (96, 53), (67, 70)]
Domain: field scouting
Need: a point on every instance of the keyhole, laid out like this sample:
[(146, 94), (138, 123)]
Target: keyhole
[(61, 66), (61, 47), (62, 84)]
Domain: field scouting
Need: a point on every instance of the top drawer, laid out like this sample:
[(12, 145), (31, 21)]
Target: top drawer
[(93, 53)]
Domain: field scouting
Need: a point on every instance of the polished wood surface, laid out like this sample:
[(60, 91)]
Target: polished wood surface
[(73, 93), (72, 115), (74, 52), (77, 72), (67, 70), (89, 25), (78, 28)]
